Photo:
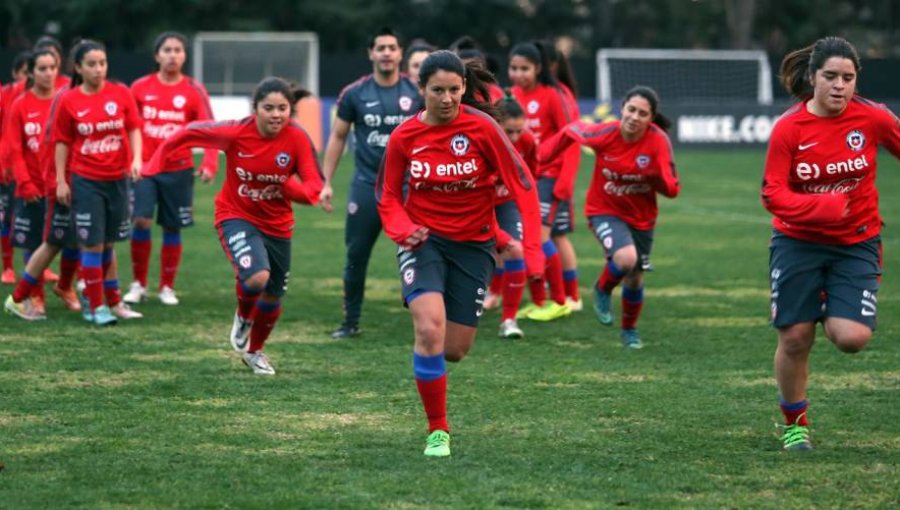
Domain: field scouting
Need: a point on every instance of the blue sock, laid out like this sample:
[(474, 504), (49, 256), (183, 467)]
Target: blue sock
[(614, 269), (549, 248), (171, 238), (570, 274), (267, 307), (140, 234), (514, 265), (91, 259), (71, 253), (429, 368), (28, 278), (111, 284), (633, 295)]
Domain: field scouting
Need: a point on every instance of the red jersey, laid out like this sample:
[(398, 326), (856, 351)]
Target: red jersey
[(167, 108), (819, 181), (451, 171), (527, 149), (546, 113), (25, 123), (257, 169), (47, 150), (571, 159), (96, 127), (627, 175), (8, 93)]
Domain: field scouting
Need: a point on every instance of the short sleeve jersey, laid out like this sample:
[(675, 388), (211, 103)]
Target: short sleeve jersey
[(375, 112)]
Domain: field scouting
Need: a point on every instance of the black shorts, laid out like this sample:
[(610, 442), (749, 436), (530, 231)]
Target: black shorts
[(615, 234), (509, 219), (7, 202), (458, 270), (556, 214), (28, 226), (251, 251), (101, 210), (173, 191), (59, 226), (813, 281)]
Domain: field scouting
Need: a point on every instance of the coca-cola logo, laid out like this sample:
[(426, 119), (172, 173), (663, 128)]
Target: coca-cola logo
[(107, 144), (160, 131), (626, 189), (839, 187), (270, 192)]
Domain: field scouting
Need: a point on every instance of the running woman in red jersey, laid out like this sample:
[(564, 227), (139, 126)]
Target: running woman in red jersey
[(449, 157), (253, 215), (633, 163), (819, 184), (25, 123), (508, 282), (168, 100), (7, 184), (96, 122), (547, 113)]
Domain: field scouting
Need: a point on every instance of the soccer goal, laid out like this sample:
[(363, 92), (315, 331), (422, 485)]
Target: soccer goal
[(232, 63), (686, 76)]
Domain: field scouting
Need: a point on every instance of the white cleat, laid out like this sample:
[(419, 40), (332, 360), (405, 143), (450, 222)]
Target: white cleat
[(510, 329), (136, 294), (167, 296), (576, 306), (240, 333), (258, 362), (123, 311)]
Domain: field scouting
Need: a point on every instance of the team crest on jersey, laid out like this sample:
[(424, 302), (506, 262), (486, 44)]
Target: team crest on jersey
[(459, 145), (856, 140), (111, 107), (533, 106), (283, 159), (245, 261), (642, 160), (409, 276), (32, 128), (179, 101), (405, 103)]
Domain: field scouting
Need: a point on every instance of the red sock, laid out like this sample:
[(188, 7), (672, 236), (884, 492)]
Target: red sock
[(610, 277), (93, 289), (112, 293), (513, 288), (553, 273), (246, 301), (795, 413), (38, 290), (169, 260), (538, 291), (7, 247), (434, 399), (496, 286), (140, 259), (570, 280), (630, 312), (25, 287), (67, 270), (263, 322)]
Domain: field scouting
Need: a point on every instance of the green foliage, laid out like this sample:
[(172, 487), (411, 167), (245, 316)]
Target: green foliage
[(160, 414)]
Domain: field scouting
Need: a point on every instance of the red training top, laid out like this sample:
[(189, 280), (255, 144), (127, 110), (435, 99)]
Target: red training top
[(546, 113), (25, 123), (527, 149)]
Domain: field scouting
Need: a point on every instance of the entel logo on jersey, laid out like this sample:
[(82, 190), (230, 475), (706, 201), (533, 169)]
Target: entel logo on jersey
[(807, 171), (405, 103), (179, 101), (459, 144), (642, 160), (85, 128), (111, 107), (856, 140), (533, 106), (283, 159)]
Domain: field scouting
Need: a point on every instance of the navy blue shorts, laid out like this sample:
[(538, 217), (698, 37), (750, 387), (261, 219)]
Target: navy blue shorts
[(28, 226), (812, 281), (101, 210), (556, 214), (59, 227), (7, 203), (173, 192), (509, 219), (458, 270), (615, 234), (251, 251)]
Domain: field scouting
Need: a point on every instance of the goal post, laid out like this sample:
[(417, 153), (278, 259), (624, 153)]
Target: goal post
[(232, 63), (686, 76)]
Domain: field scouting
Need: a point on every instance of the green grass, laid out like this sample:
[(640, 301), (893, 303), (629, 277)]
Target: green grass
[(160, 414)]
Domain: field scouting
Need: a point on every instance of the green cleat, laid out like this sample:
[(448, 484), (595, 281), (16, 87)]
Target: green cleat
[(796, 438), (525, 310), (602, 307), (550, 312), (437, 444)]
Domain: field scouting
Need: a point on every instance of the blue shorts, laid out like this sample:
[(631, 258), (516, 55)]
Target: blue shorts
[(60, 229), (812, 281), (251, 251), (615, 234), (458, 270), (173, 191), (7, 203), (509, 219), (28, 226), (556, 214), (101, 210)]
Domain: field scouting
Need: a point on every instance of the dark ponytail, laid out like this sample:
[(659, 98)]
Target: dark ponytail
[(508, 107), (563, 72), (534, 53), (82, 48), (475, 75), (32, 63), (799, 66), (653, 98)]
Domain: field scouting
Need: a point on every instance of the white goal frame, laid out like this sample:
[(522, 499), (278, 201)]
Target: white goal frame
[(604, 55), (309, 78)]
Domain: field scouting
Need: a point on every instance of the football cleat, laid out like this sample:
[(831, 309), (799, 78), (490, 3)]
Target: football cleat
[(136, 293), (550, 312), (525, 310), (8, 277), (437, 444), (123, 311), (346, 331), (510, 329), (23, 310), (167, 296), (631, 339), (240, 333), (50, 276), (795, 437), (576, 306), (602, 303), (258, 362), (103, 316), (69, 298)]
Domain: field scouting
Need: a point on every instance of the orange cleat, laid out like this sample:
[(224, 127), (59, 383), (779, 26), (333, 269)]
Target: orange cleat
[(50, 276), (69, 298), (9, 276)]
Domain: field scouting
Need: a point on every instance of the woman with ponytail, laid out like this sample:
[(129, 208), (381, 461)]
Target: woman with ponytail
[(819, 185), (448, 158), (634, 162)]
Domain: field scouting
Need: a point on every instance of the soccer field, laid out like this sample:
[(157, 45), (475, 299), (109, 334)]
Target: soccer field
[(160, 413)]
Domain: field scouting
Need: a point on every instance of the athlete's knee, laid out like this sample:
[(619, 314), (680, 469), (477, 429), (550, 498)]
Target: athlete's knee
[(257, 281), (456, 353), (625, 259), (852, 341), (429, 331), (796, 340), (143, 223)]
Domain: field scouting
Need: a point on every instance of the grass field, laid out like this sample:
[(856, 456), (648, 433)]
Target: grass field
[(160, 414)]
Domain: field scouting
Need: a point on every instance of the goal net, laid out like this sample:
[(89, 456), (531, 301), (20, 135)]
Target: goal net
[(232, 63), (686, 76)]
